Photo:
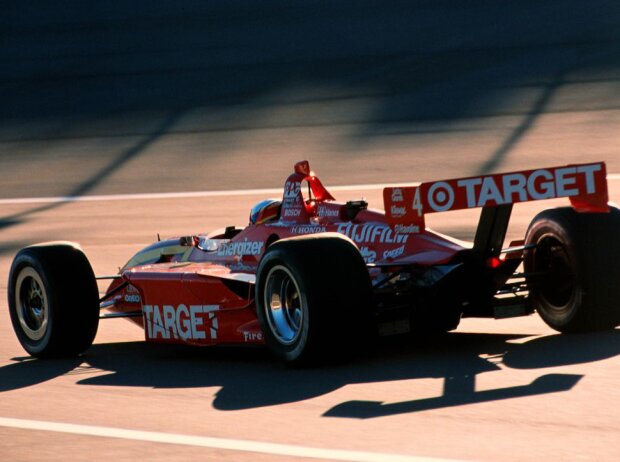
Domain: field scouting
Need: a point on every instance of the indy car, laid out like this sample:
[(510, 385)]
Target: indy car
[(313, 278)]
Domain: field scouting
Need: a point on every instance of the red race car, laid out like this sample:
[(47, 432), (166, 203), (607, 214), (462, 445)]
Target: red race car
[(312, 277)]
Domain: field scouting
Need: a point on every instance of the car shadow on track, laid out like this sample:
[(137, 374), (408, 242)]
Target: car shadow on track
[(250, 378)]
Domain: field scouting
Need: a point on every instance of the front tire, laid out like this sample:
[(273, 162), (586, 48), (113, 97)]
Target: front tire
[(53, 300), (313, 298), (575, 268)]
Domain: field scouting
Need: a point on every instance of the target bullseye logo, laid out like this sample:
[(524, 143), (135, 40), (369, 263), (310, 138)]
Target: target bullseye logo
[(440, 196)]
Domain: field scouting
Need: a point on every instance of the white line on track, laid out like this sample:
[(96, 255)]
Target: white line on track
[(214, 443), (187, 194), (190, 194)]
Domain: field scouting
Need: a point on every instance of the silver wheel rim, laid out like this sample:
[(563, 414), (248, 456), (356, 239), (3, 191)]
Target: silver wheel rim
[(284, 305), (32, 304)]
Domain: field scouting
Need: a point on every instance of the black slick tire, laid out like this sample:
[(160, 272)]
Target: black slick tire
[(53, 300), (313, 298), (575, 267)]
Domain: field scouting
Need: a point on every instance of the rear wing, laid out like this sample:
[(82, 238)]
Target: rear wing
[(584, 184)]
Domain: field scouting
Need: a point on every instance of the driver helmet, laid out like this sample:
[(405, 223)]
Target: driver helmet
[(266, 210)]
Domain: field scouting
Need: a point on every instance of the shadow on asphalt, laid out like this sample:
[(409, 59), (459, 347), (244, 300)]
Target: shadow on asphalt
[(100, 176), (416, 61), (420, 60), (250, 378)]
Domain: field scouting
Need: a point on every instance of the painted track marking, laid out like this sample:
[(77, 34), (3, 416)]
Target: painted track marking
[(214, 443), (190, 194), (186, 194)]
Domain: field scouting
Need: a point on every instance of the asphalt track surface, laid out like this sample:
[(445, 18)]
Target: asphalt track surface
[(111, 99)]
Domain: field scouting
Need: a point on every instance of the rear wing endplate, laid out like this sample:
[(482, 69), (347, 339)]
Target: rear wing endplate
[(584, 184)]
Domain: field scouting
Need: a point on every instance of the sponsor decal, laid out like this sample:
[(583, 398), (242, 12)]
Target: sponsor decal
[(585, 185), (291, 189), (132, 298), (368, 255), (293, 202), (371, 233), (327, 212), (242, 267), (407, 229), (397, 195), (195, 322), (397, 252), (441, 196), (540, 184), (398, 211), (513, 187), (240, 248), (252, 336), (131, 295), (292, 212), (308, 229)]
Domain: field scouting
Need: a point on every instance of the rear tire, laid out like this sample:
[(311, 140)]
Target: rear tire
[(313, 298), (579, 256), (53, 300)]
